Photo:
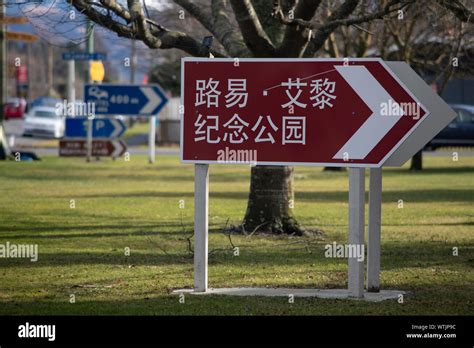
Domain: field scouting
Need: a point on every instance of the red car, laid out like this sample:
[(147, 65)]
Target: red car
[(14, 108)]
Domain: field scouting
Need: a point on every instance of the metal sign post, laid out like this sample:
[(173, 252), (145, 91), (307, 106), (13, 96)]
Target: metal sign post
[(356, 229), (375, 220), (71, 82), (151, 139), (201, 208), (89, 138)]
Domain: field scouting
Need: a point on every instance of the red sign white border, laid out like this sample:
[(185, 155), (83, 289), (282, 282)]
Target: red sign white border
[(296, 60)]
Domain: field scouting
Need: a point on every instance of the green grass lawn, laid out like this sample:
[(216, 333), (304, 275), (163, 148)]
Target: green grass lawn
[(136, 205)]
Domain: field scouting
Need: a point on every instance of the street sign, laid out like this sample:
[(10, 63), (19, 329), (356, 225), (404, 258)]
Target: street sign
[(325, 112), (13, 20), (22, 75), (100, 148), (21, 36), (101, 127), (127, 100), (84, 56)]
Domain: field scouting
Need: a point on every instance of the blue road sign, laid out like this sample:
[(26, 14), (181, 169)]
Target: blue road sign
[(101, 127), (127, 100), (84, 56)]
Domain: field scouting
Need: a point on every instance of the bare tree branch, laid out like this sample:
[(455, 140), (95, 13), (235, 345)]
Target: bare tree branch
[(138, 18), (296, 37), (254, 36), (449, 69), (204, 18), (155, 36), (339, 18), (226, 32), (219, 25), (343, 11), (458, 9), (117, 8)]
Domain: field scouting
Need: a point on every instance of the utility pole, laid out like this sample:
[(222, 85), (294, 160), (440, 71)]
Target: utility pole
[(30, 64), (133, 69), (90, 49), (71, 84), (133, 63), (50, 70), (3, 81)]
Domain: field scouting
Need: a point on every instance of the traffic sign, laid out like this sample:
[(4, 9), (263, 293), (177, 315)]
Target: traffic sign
[(13, 20), (84, 56), (22, 75), (100, 148), (127, 100), (101, 127), (325, 112), (11, 35)]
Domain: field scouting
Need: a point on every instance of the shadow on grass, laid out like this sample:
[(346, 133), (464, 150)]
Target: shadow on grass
[(446, 195), (431, 170), (128, 231), (420, 254)]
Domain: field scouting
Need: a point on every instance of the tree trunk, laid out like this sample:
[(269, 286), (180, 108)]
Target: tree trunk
[(417, 161), (271, 200)]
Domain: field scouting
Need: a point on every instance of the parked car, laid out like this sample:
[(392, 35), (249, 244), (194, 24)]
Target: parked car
[(45, 101), (14, 108), (43, 121), (460, 132)]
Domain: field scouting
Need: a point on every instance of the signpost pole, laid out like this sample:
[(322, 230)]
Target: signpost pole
[(201, 204), (71, 91), (90, 49), (151, 139), (356, 229), (3, 82), (375, 217)]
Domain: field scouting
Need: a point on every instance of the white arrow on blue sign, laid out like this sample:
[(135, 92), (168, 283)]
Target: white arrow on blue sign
[(101, 127), (127, 100)]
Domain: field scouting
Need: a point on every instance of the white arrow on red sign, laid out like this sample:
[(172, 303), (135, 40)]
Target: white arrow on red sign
[(378, 113), (78, 148), (377, 125)]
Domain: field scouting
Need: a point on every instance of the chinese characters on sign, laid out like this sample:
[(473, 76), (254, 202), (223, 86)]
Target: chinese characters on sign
[(210, 128)]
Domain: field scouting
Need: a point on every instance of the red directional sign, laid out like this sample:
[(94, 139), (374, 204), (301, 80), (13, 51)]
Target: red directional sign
[(78, 148), (331, 112)]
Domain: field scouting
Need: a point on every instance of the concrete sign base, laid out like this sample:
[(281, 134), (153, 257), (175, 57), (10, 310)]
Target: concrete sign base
[(286, 292)]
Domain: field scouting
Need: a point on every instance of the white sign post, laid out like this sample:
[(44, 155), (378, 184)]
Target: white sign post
[(71, 84), (375, 220), (89, 137), (356, 230), (151, 140), (201, 208)]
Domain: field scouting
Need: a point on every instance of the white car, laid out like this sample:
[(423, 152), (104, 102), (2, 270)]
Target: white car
[(43, 121)]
